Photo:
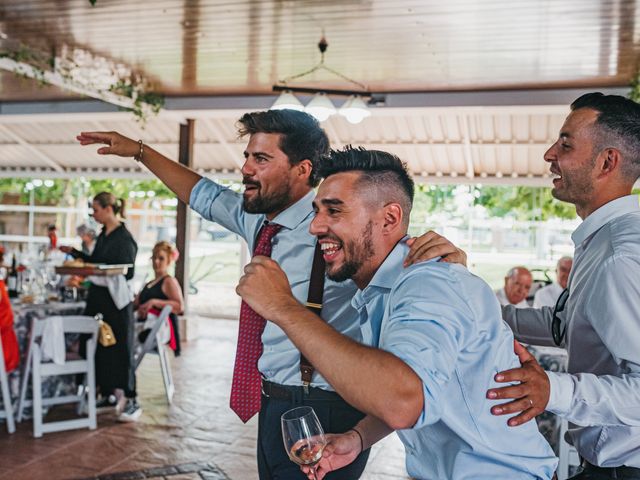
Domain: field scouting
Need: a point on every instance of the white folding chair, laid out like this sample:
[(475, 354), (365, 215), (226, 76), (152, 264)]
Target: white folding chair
[(41, 369), (152, 341), (7, 405)]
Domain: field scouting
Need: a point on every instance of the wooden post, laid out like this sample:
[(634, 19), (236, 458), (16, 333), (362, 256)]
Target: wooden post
[(183, 214)]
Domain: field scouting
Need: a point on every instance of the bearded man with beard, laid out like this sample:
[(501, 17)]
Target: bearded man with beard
[(279, 174), (435, 333)]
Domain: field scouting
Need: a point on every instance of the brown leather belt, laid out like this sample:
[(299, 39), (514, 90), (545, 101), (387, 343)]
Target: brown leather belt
[(612, 472)]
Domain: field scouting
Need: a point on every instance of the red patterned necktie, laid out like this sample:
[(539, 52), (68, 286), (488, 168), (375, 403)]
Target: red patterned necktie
[(245, 388)]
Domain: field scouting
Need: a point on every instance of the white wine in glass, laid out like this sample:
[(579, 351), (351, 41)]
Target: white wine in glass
[(303, 436)]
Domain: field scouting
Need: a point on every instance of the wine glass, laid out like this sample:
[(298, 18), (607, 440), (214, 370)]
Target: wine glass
[(303, 437)]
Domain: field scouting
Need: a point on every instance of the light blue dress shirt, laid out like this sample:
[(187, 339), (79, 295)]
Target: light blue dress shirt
[(293, 248), (600, 394), (445, 324)]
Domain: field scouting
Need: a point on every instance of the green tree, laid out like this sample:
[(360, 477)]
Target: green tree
[(523, 203)]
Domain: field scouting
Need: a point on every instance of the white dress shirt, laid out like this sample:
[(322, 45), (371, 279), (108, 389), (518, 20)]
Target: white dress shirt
[(547, 296), (502, 298), (600, 394)]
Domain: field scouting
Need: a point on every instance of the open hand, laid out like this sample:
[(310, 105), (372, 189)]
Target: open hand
[(431, 245), (116, 144), (341, 450), (265, 287), (531, 394)]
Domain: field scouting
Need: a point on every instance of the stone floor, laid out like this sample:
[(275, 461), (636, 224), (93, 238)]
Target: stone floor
[(198, 437)]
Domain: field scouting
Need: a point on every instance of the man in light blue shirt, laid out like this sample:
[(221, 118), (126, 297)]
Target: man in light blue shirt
[(279, 175), (595, 162), (437, 329)]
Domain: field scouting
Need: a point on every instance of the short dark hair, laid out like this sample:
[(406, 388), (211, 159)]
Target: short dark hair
[(301, 136), (380, 171), (617, 126)]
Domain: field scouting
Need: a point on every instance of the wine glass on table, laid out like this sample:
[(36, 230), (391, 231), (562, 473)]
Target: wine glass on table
[(303, 437)]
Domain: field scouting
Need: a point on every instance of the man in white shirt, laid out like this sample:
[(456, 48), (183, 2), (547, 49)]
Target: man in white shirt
[(517, 284), (548, 296), (595, 163)]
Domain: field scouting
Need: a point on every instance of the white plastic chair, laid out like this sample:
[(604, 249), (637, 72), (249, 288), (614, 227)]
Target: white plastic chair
[(152, 341), (7, 405), (41, 369)]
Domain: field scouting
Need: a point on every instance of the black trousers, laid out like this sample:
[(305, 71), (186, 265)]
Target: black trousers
[(335, 415), (591, 472), (115, 366)]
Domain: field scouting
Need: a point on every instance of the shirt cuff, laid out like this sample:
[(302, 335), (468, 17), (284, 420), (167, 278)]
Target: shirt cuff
[(561, 393)]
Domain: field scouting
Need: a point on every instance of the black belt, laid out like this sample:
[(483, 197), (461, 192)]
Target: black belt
[(612, 472), (289, 392)]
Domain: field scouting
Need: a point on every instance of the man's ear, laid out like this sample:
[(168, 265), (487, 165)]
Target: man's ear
[(304, 168), (608, 161), (393, 217)]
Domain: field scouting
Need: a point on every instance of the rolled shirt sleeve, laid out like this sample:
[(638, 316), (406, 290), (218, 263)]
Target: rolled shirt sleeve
[(223, 206)]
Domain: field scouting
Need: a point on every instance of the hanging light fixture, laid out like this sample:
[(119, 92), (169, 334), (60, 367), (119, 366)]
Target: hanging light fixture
[(354, 109), (320, 106), (287, 100)]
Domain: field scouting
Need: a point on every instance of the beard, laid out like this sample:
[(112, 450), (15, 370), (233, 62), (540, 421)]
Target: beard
[(356, 253), (276, 201)]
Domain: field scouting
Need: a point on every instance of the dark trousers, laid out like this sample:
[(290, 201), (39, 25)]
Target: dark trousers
[(335, 415), (591, 472)]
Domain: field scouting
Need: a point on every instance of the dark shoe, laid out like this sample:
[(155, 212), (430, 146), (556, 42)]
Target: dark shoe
[(106, 404)]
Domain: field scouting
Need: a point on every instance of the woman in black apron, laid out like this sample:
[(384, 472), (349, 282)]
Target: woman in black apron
[(115, 367)]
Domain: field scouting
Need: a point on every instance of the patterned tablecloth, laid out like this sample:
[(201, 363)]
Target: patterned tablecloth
[(24, 315)]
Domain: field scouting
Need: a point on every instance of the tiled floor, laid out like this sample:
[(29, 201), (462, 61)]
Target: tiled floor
[(198, 427)]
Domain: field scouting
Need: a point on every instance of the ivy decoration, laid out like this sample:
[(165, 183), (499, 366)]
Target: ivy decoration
[(144, 102), (78, 67), (93, 2)]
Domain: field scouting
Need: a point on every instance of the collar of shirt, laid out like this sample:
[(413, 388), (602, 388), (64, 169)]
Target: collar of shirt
[(603, 215), (385, 276), (297, 213)]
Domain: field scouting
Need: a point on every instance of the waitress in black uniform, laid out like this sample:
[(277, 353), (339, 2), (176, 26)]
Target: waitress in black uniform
[(115, 367)]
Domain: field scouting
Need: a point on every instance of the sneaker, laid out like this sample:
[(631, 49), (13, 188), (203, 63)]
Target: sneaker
[(131, 412), (106, 404)]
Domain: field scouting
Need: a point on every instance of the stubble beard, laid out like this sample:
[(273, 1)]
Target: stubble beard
[(356, 252)]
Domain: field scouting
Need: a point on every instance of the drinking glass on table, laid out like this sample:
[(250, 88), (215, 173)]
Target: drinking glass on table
[(303, 436)]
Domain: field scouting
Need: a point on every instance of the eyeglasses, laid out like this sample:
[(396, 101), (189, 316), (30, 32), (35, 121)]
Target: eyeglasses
[(557, 329)]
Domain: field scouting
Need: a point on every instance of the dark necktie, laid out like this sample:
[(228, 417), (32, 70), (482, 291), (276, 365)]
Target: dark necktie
[(245, 388)]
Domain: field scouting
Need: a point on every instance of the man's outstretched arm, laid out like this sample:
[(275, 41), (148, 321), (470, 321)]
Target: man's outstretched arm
[(177, 177)]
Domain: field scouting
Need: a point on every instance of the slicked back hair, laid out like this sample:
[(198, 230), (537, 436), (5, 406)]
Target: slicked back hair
[(382, 173), (301, 136), (617, 126)]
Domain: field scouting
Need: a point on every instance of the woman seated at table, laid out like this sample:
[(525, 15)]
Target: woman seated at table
[(161, 291)]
